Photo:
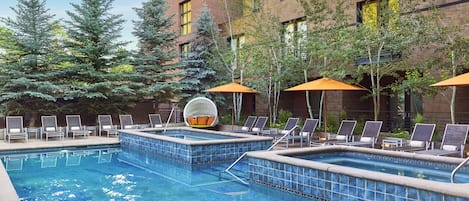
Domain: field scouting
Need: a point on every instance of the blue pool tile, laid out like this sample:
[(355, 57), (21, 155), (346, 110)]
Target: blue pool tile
[(449, 198), (390, 189), (412, 193), (370, 194), (380, 187), (424, 195), (436, 196), (380, 196), (370, 185), (390, 197)]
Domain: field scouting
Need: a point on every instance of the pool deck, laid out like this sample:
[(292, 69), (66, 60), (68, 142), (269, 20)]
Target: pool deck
[(7, 191), (53, 143)]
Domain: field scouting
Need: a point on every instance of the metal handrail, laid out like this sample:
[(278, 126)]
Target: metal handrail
[(270, 148), (283, 137), (169, 119), (453, 173)]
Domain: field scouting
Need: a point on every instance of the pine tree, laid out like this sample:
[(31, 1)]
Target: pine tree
[(199, 74), (96, 53), (153, 59), (29, 72)]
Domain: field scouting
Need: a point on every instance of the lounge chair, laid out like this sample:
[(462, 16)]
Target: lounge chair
[(453, 142), (421, 138), (343, 135), (291, 123), (369, 135), (127, 122), (50, 129), (247, 126), (74, 126), (249, 123), (155, 120), (14, 129), (259, 126), (105, 125), (306, 132)]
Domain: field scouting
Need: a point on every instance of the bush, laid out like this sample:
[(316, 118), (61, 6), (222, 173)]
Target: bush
[(418, 118), (332, 124)]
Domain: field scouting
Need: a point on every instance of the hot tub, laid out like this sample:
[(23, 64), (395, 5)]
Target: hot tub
[(192, 146), (324, 173)]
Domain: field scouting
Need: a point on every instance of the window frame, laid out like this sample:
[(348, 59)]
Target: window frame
[(185, 9), (297, 38), (184, 50)]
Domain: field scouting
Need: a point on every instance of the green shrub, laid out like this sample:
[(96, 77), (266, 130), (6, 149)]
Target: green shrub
[(332, 124), (283, 116), (225, 119), (359, 127), (418, 118)]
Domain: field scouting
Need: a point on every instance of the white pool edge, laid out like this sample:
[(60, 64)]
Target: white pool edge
[(7, 191)]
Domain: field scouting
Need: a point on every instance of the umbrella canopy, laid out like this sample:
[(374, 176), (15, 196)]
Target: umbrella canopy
[(460, 80), (231, 88), (324, 84)]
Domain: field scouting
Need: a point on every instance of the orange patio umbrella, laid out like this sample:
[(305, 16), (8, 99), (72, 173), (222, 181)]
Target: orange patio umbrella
[(460, 80), (231, 88), (324, 84)]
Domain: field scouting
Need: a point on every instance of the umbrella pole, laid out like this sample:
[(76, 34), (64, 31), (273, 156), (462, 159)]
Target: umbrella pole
[(232, 113), (325, 112)]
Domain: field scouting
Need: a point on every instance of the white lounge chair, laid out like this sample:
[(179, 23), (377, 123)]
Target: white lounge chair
[(127, 121), (105, 125), (74, 126), (14, 129), (50, 129)]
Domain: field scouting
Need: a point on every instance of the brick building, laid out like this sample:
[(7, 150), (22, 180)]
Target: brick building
[(395, 112)]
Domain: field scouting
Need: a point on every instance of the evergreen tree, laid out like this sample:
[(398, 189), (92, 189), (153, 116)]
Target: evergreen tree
[(153, 59), (95, 54), (199, 75), (29, 74)]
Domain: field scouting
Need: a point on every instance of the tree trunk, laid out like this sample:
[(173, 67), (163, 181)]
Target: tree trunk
[(308, 104), (453, 90)]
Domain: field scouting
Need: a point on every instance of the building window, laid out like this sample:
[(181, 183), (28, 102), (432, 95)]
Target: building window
[(186, 17), (237, 42), (250, 6), (378, 12), (295, 32), (184, 50)]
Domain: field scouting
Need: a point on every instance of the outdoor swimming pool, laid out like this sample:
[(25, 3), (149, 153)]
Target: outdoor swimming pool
[(111, 173)]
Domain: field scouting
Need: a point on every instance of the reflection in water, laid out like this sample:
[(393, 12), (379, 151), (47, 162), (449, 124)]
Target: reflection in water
[(49, 160), (105, 155), (14, 162)]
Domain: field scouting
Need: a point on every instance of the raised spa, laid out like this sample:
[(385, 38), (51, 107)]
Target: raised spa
[(192, 146), (191, 135), (353, 173), (435, 171)]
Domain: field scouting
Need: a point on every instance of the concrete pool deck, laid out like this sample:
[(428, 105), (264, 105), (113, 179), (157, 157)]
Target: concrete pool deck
[(7, 191)]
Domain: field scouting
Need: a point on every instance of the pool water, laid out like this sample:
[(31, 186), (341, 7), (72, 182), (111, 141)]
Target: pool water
[(391, 166), (191, 136), (116, 174)]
